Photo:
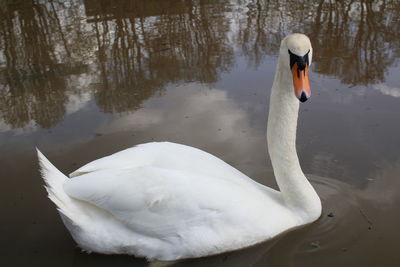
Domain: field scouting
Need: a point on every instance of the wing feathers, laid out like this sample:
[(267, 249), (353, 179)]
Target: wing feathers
[(149, 198)]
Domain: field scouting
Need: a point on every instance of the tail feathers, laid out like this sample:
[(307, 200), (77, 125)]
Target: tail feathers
[(54, 180)]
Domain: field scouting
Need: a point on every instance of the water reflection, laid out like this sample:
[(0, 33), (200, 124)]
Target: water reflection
[(355, 40), (141, 50), (130, 50), (387, 90), (30, 67), (34, 61)]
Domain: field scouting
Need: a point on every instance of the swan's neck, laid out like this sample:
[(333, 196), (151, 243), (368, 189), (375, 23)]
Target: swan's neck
[(296, 191)]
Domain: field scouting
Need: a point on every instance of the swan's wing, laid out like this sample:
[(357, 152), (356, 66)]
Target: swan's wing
[(163, 155), (158, 202), (132, 157)]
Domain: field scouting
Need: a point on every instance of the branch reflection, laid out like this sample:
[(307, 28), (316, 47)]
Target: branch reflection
[(145, 45)]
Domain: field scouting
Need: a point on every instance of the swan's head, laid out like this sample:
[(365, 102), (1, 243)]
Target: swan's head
[(296, 51)]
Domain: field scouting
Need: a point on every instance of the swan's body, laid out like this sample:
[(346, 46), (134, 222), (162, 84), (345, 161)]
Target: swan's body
[(168, 201)]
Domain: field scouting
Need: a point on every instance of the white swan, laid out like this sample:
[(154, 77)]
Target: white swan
[(168, 201)]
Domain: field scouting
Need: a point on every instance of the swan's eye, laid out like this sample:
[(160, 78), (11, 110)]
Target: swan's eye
[(302, 62)]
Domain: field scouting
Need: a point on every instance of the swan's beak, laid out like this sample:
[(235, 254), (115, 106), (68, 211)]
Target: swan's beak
[(300, 82)]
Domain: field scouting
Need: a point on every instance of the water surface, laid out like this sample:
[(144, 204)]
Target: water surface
[(83, 79)]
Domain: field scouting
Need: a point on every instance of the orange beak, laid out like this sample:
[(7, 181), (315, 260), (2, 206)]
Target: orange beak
[(300, 82)]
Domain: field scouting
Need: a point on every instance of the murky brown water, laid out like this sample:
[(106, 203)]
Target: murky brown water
[(83, 79)]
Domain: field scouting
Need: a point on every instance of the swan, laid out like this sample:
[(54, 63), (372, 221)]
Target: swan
[(166, 201)]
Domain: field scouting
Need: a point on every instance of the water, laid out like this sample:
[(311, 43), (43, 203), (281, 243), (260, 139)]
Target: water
[(83, 79)]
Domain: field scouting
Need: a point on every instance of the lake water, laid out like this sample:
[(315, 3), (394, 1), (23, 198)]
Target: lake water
[(83, 79)]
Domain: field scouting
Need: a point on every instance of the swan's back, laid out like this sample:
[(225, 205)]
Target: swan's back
[(165, 155)]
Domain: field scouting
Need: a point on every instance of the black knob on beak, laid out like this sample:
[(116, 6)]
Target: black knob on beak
[(303, 97)]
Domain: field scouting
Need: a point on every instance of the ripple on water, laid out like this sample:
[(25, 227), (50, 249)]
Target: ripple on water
[(341, 207), (329, 235)]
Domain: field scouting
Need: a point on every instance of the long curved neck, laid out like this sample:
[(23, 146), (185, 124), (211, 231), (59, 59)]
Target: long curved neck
[(296, 191)]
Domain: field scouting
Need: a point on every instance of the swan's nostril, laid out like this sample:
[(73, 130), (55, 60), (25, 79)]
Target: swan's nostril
[(303, 97)]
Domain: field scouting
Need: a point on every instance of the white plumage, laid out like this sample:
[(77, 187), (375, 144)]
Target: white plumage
[(169, 201)]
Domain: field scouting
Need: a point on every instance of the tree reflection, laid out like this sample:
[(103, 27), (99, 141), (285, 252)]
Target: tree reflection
[(356, 40), (141, 46), (125, 51), (27, 93), (144, 45)]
